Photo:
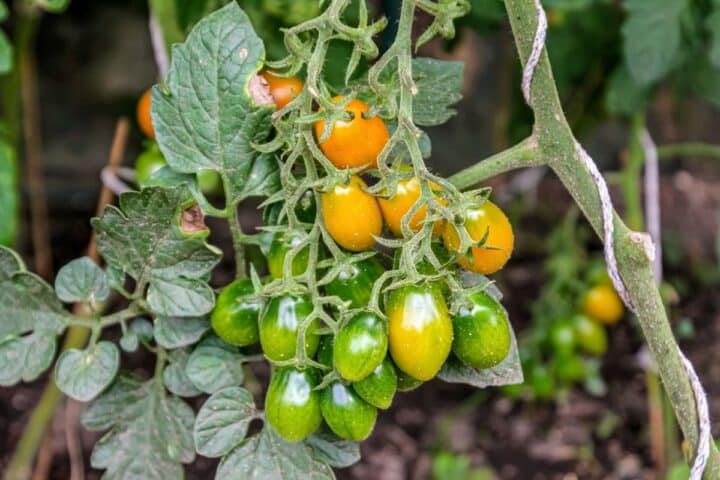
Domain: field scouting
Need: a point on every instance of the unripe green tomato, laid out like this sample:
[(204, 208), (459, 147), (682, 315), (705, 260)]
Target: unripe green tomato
[(541, 382), (210, 182), (280, 246), (360, 346), (590, 335), (419, 329), (562, 337), (148, 162), (291, 405), (325, 351), (235, 318), (481, 332), (279, 326), (378, 388), (568, 367), (348, 415), (406, 383), (355, 283)]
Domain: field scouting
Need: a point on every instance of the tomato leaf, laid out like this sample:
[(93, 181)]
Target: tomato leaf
[(81, 280), (10, 262), (652, 35), (3, 11), (223, 421), (703, 80), (8, 172), (53, 6), (214, 365), (209, 120), (83, 374), (26, 358), (143, 238), (266, 456), (176, 332), (175, 378), (713, 25), (439, 83), (623, 95), (151, 432), (6, 54), (333, 450)]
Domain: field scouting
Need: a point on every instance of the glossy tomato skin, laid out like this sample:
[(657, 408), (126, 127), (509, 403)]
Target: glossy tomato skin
[(282, 89), (148, 162), (420, 330), (590, 335), (235, 317), (143, 114), (356, 142), (348, 415), (351, 215), (282, 243), (354, 284), (291, 405), (406, 383), (406, 194), (603, 303), (481, 332), (378, 388), (279, 326), (360, 346), (489, 220)]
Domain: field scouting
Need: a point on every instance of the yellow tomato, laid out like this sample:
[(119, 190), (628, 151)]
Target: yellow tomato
[(603, 303), (351, 215), (395, 207), (488, 220)]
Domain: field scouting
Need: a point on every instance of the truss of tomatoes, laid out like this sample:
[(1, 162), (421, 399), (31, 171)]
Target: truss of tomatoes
[(372, 357)]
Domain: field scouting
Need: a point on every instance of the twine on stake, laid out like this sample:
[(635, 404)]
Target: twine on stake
[(701, 403)]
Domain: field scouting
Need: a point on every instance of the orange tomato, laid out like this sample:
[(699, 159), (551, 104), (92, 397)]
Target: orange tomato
[(492, 256), (356, 142), (282, 89), (603, 303), (395, 207), (351, 215), (143, 114)]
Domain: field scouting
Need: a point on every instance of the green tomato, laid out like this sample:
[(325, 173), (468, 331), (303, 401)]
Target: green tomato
[(360, 346), (481, 332), (355, 283), (541, 382), (292, 406), (590, 335), (210, 182), (280, 246), (562, 337), (234, 318), (148, 162), (568, 367), (279, 326), (406, 383), (348, 415), (378, 388), (325, 351)]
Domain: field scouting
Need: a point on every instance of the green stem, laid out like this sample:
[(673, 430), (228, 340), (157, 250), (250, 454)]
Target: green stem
[(556, 144), (690, 149), (631, 176), (237, 237)]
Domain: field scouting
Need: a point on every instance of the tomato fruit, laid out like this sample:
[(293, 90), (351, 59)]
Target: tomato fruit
[(348, 415), (235, 318), (282, 89), (406, 383), (568, 367), (489, 222), (305, 210), (142, 113), (590, 335), (541, 382), (280, 246), (291, 405), (481, 332), (561, 337), (603, 303), (325, 351), (210, 182), (148, 162), (351, 215), (378, 388), (360, 346), (420, 330), (356, 142), (354, 284), (279, 326), (406, 194)]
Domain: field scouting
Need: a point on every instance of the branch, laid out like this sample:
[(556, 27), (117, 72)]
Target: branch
[(690, 149), (556, 144)]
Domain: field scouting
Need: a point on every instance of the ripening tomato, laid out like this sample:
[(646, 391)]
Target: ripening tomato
[(348, 415), (143, 114), (282, 89), (354, 284), (378, 388), (360, 346), (398, 204), (279, 325), (481, 332), (351, 215), (356, 142), (292, 406), (282, 243), (489, 222), (235, 317), (420, 330), (603, 303)]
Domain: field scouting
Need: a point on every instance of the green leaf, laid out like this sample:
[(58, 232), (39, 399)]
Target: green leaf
[(83, 374), (266, 456), (144, 239), (175, 378), (53, 6), (703, 80), (8, 172), (439, 83), (214, 365), (151, 432), (26, 358), (189, 12), (176, 332), (651, 35), (623, 95), (81, 280), (208, 120), (10, 262), (264, 178), (27, 303), (223, 421), (333, 450), (6, 54), (713, 25)]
